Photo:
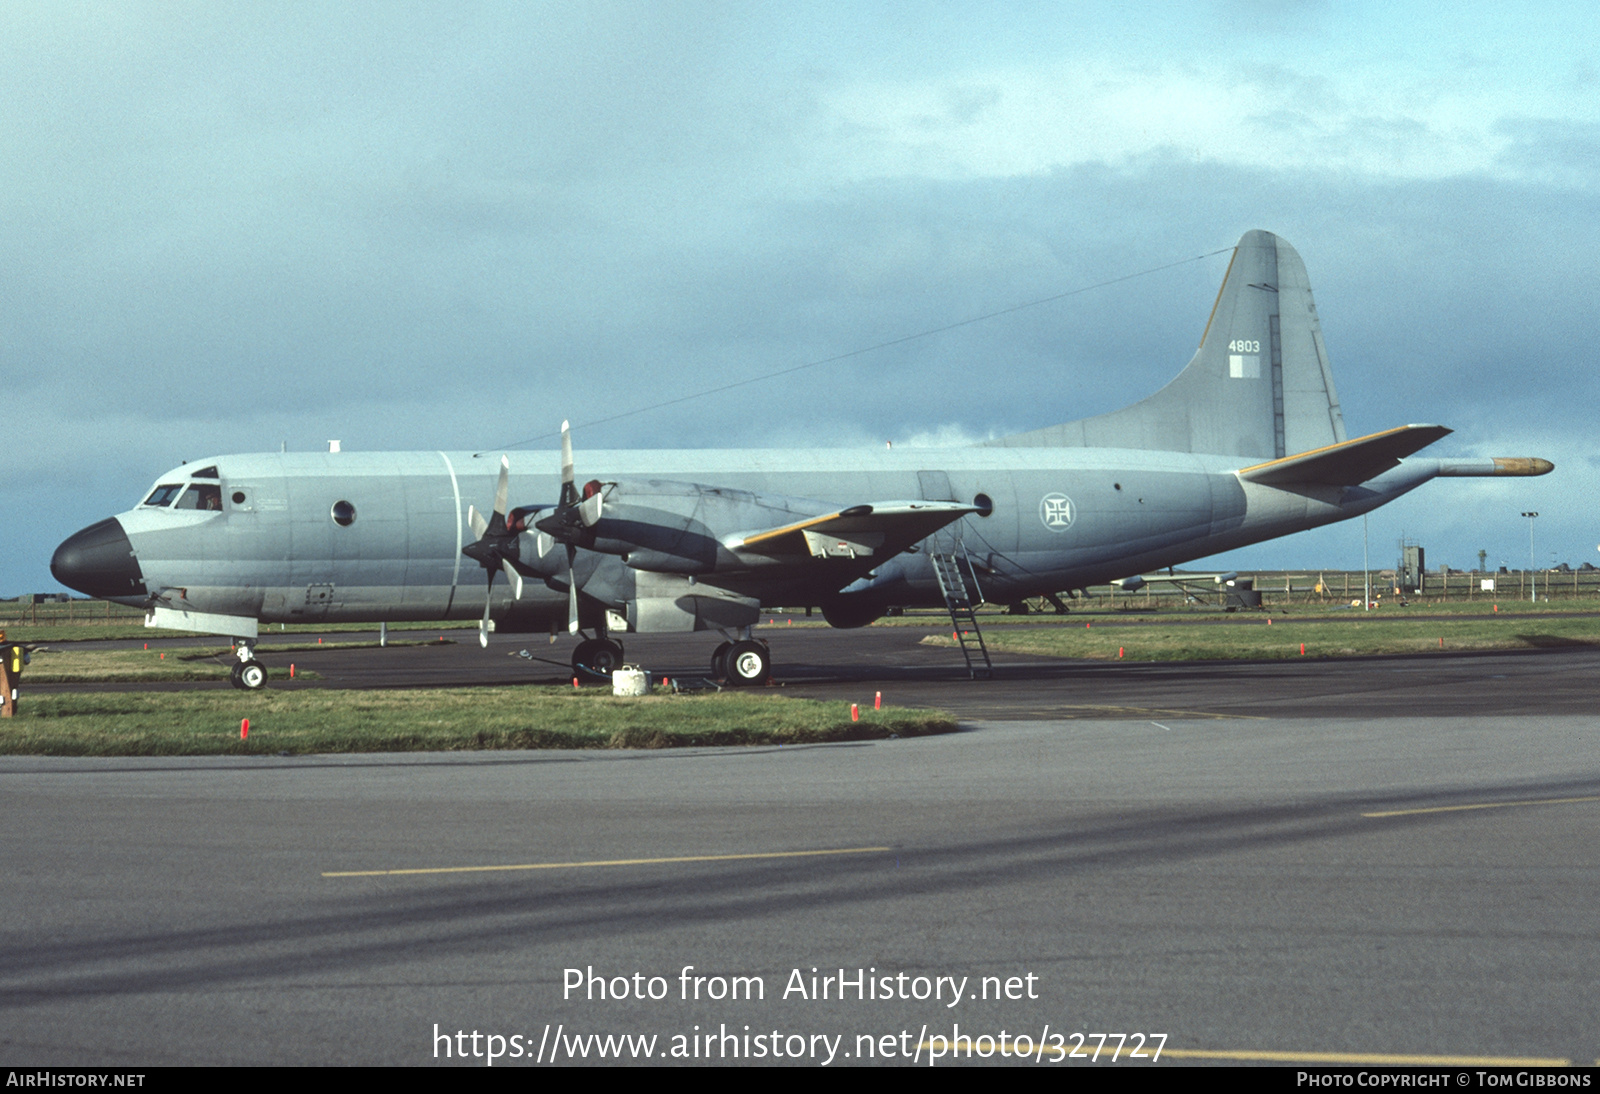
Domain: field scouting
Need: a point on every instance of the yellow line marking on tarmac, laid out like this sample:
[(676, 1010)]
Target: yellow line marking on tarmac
[(604, 862), (1376, 1058), (1480, 805), (1140, 712)]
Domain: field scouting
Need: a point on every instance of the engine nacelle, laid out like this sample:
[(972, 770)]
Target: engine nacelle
[(662, 526)]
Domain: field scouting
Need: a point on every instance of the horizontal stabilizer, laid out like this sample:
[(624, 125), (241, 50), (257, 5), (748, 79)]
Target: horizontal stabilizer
[(1349, 463), (882, 528), (1139, 581)]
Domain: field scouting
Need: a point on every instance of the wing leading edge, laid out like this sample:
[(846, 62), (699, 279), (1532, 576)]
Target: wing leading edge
[(877, 529), (1348, 463)]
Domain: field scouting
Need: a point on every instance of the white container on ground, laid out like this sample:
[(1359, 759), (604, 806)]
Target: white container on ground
[(630, 680)]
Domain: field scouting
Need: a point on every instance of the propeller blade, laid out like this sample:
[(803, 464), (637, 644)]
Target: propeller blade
[(569, 493), (495, 544), (503, 490), (572, 590), (483, 625), (589, 510), (542, 542)]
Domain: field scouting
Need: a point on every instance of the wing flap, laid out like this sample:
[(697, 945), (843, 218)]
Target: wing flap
[(861, 531), (1348, 463)]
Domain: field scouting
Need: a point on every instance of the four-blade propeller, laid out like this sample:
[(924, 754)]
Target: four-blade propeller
[(496, 547), (569, 525)]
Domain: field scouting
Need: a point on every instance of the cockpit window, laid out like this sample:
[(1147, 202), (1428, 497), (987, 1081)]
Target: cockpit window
[(205, 473), (201, 496), (163, 494)]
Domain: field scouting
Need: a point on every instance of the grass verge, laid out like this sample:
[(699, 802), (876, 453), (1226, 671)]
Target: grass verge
[(72, 666), (463, 719), (1151, 641)]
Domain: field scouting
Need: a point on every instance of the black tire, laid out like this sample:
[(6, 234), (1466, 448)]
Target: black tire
[(749, 664), (252, 675), (597, 658), (233, 676), (719, 663)]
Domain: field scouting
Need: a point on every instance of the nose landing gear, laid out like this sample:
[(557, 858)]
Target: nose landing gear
[(249, 674)]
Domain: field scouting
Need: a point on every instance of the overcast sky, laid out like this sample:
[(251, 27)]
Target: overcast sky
[(226, 227)]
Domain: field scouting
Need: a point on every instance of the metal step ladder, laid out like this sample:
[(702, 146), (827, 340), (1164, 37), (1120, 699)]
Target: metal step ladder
[(959, 584)]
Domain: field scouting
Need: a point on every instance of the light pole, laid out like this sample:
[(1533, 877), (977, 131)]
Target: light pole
[(1366, 569), (1533, 574)]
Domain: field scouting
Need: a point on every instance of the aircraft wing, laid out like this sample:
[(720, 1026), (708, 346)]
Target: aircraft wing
[(1348, 463), (880, 528)]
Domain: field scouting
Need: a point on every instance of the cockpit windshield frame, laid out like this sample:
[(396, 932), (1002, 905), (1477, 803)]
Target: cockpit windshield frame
[(205, 496), (162, 495)]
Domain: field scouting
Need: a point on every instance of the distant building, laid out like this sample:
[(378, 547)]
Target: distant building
[(1412, 568)]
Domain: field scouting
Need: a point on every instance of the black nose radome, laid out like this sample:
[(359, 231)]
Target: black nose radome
[(99, 561)]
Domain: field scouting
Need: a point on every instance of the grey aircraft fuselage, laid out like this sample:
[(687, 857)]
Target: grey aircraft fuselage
[(1246, 444), (1060, 519)]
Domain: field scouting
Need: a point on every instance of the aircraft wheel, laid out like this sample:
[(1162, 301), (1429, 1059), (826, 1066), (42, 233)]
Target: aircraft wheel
[(251, 675), (233, 675), (749, 663), (597, 658), (719, 661)]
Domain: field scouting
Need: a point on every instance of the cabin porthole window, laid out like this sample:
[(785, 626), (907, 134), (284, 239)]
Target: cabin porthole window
[(344, 514), (984, 503), (238, 497)]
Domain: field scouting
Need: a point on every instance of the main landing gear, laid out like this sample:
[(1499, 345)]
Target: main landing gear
[(249, 674), (596, 658), (745, 663)]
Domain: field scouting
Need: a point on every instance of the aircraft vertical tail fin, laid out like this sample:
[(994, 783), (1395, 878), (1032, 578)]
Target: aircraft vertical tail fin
[(1259, 386)]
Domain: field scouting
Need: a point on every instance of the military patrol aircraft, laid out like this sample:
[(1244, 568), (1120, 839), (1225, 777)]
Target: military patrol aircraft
[(1247, 443)]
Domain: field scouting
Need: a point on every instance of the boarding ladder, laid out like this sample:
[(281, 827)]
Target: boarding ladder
[(958, 581)]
